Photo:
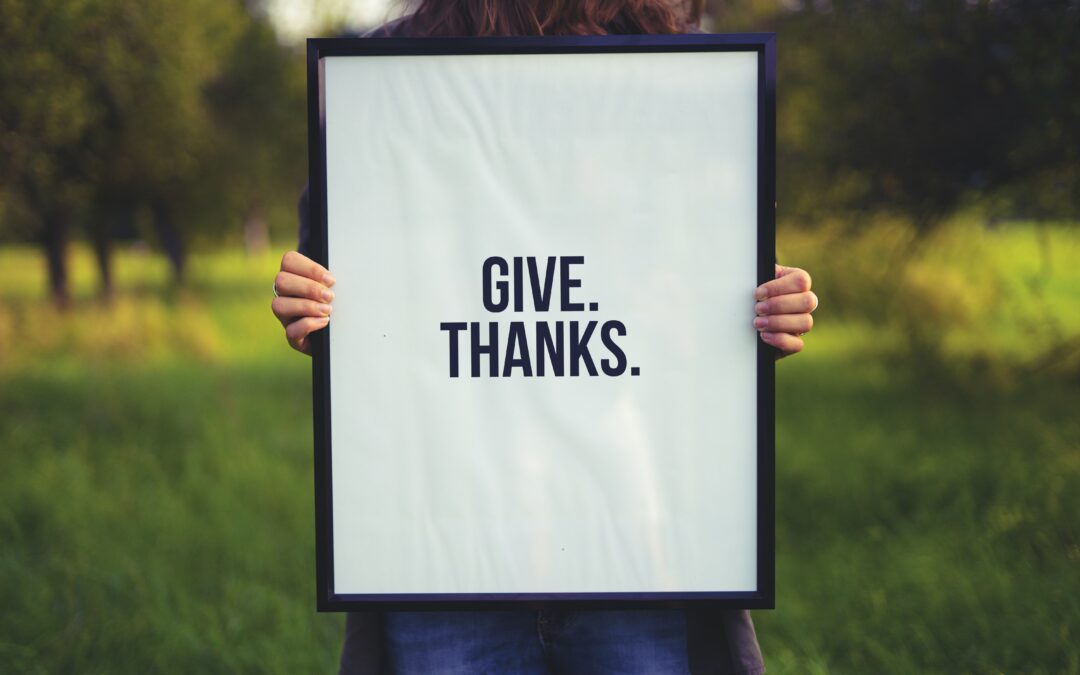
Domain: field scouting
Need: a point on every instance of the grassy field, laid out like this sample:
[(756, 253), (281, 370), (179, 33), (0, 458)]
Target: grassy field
[(156, 490)]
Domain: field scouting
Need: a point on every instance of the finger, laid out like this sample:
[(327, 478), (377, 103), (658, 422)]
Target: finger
[(288, 309), (785, 342), (301, 265), (298, 331), (788, 280), (785, 323), (296, 286), (793, 303)]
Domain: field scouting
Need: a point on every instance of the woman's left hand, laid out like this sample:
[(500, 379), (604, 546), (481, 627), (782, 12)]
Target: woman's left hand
[(784, 309)]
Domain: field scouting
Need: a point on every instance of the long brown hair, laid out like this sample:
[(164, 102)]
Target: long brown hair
[(553, 17)]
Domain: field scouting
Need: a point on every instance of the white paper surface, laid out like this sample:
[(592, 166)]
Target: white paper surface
[(645, 165)]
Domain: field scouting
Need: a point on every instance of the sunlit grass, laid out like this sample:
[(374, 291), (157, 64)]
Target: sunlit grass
[(966, 298), (222, 313), (156, 489)]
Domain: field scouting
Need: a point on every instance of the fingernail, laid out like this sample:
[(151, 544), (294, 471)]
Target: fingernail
[(329, 279), (327, 294), (767, 336), (760, 308), (761, 293), (761, 322), (324, 320), (325, 309)]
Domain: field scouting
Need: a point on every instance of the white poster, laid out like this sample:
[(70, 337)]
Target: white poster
[(543, 366)]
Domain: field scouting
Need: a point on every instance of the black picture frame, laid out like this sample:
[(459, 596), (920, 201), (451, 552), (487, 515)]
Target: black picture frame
[(763, 45)]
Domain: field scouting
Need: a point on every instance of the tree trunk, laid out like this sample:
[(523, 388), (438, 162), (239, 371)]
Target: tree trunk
[(170, 239), (256, 234), (55, 240), (101, 235)]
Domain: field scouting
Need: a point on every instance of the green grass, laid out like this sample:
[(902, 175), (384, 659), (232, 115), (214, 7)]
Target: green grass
[(922, 530), (159, 519), (156, 490)]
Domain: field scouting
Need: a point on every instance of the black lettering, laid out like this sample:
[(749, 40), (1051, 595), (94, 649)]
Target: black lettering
[(454, 329), (489, 299), (566, 282), (579, 348), (542, 298), (519, 288), (517, 343), (546, 345), (620, 358), (491, 348)]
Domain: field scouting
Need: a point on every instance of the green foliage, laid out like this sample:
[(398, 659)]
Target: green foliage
[(156, 486), (109, 92), (918, 108), (187, 109), (261, 153), (969, 304), (46, 107)]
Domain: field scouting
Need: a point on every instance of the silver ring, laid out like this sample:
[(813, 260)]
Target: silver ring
[(275, 290)]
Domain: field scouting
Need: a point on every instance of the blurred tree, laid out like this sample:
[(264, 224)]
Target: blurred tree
[(154, 60), (1043, 66), (915, 107), (260, 103), (47, 108), (186, 110)]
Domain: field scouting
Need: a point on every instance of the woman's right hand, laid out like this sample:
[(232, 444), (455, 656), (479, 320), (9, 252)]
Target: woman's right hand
[(303, 298)]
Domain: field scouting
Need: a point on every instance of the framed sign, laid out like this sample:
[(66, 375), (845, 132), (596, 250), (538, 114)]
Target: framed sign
[(541, 382)]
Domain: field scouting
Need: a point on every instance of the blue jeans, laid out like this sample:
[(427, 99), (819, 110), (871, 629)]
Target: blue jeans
[(536, 643)]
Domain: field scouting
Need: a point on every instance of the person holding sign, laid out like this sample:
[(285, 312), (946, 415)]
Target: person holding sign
[(653, 641)]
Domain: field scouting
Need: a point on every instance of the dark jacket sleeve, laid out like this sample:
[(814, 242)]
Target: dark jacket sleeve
[(304, 235), (362, 651), (723, 643)]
